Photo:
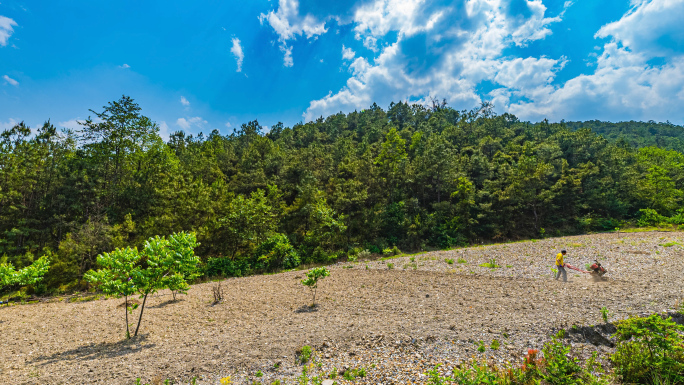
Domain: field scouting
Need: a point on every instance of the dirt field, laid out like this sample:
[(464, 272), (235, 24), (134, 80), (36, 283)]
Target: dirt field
[(368, 314)]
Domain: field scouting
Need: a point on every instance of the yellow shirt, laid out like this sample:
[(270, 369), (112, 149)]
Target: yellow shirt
[(559, 259)]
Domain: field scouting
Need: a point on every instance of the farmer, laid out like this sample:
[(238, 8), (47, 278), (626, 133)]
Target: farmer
[(560, 265)]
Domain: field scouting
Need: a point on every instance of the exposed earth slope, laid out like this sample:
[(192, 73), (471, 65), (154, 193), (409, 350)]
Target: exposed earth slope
[(393, 322)]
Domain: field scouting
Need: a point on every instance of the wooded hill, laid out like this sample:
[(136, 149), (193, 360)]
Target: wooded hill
[(410, 176)]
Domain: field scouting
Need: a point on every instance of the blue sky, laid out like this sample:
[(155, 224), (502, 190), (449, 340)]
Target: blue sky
[(199, 66)]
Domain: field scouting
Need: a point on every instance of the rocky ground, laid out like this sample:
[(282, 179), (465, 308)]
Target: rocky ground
[(390, 324)]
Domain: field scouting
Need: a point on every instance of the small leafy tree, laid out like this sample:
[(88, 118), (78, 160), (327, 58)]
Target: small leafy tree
[(311, 280), (115, 276), (163, 263), (11, 277)]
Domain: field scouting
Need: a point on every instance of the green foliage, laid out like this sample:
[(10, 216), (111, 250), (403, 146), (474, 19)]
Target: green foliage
[(163, 263), (408, 177), (449, 261), (605, 313), (491, 264), (305, 354), (495, 345), (277, 253), (390, 266), (29, 275), (649, 348), (556, 367), (461, 260), (312, 278)]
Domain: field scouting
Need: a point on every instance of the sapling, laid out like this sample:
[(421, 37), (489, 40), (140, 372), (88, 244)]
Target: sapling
[(115, 276), (10, 277), (311, 280), (168, 264)]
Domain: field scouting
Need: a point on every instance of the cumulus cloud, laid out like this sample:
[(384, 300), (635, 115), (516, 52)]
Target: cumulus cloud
[(447, 51), (10, 81), (236, 50), (347, 53), (186, 124), (442, 52), (184, 101), (288, 23), (6, 29), (124, 66), (72, 124), (624, 85), (228, 125)]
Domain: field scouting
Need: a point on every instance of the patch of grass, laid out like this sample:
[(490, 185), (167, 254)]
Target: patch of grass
[(259, 373), (670, 244), (390, 266), (491, 264), (461, 260), (449, 261), (481, 347), (495, 345)]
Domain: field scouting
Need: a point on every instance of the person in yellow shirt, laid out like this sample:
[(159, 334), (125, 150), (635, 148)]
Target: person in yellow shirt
[(560, 265)]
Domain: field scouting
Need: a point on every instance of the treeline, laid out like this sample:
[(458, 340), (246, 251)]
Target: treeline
[(637, 134), (411, 177)]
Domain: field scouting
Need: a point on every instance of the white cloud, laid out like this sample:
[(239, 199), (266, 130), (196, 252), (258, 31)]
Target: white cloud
[(9, 124), (347, 53), (184, 101), (236, 50), (6, 29), (164, 130), (287, 22), (72, 124), (624, 85), (228, 125), (442, 52), (10, 81), (287, 57), (642, 28), (186, 124), (429, 50), (124, 66)]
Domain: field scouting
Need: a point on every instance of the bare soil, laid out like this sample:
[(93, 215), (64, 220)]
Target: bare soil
[(422, 299)]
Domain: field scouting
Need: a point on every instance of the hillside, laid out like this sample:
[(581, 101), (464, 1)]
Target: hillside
[(396, 323), (409, 177)]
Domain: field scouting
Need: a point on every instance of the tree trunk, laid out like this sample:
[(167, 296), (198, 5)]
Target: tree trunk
[(142, 308), (128, 333)]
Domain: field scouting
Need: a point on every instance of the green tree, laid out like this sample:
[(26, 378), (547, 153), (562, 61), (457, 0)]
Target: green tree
[(163, 263), (11, 277), (312, 278)]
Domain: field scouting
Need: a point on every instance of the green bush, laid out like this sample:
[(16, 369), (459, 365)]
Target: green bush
[(305, 354), (649, 348), (277, 253), (227, 268), (312, 278)]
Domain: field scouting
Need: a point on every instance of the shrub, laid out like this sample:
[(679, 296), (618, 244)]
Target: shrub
[(363, 254), (227, 267), (461, 260), (649, 348), (277, 253), (305, 354), (10, 277), (491, 264), (311, 280), (650, 217), (390, 266)]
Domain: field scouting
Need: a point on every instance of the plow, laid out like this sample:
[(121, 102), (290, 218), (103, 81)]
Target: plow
[(595, 270)]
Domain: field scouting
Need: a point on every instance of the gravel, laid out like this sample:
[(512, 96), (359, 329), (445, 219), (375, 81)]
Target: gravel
[(394, 323)]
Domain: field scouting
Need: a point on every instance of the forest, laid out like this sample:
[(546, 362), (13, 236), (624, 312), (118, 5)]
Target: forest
[(411, 177)]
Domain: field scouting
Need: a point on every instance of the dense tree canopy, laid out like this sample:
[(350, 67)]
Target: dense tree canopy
[(411, 176)]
